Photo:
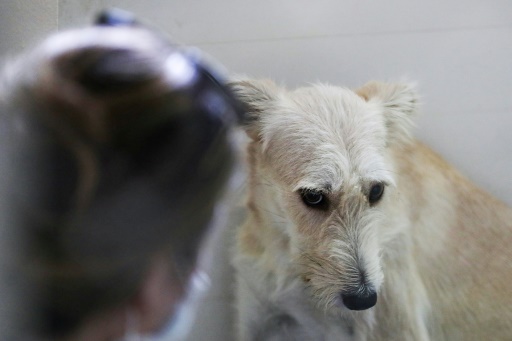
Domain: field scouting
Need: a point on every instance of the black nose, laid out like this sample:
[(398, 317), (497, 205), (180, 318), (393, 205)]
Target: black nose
[(359, 301)]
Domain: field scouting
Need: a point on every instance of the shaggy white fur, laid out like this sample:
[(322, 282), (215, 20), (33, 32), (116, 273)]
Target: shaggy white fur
[(356, 231)]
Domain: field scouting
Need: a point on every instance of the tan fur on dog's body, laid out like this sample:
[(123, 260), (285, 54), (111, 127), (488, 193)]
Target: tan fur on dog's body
[(435, 248)]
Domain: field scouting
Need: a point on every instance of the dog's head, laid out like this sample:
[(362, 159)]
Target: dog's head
[(323, 152)]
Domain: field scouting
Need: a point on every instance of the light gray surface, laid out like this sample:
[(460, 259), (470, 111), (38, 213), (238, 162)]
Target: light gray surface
[(459, 52), (24, 22)]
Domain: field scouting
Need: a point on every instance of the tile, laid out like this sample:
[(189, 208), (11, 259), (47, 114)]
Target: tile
[(196, 22), (24, 23), (480, 146), (456, 71)]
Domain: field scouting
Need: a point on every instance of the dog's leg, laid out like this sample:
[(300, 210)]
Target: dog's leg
[(258, 318), (266, 315), (250, 306)]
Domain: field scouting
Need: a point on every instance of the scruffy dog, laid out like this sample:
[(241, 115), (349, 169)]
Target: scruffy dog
[(357, 231)]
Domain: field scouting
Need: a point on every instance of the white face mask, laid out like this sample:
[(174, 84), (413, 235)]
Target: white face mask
[(180, 323)]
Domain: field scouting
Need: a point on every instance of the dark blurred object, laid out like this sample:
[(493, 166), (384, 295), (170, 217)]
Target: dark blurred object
[(123, 139)]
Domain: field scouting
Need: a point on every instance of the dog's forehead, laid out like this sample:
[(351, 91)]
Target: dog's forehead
[(325, 137)]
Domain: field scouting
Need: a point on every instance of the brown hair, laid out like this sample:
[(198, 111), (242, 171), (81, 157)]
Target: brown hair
[(122, 158)]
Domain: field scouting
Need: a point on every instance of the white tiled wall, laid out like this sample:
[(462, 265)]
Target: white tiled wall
[(24, 22), (459, 52)]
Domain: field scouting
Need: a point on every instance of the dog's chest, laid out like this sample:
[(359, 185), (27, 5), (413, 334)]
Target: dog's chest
[(288, 312)]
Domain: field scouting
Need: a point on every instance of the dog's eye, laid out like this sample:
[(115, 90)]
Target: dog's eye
[(376, 192), (312, 198)]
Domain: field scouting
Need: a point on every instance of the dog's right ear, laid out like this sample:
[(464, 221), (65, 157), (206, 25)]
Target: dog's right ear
[(258, 96)]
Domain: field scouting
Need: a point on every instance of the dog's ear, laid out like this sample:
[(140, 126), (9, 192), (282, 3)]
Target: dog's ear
[(258, 96), (399, 102)]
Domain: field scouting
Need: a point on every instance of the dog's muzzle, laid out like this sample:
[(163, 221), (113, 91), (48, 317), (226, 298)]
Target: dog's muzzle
[(361, 300)]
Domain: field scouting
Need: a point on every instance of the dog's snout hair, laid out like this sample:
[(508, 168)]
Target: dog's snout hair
[(345, 260)]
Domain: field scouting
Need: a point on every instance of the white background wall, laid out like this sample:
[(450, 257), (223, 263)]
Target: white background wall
[(459, 52), (22, 23)]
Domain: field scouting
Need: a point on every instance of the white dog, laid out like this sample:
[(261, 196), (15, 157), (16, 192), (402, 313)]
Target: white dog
[(356, 231)]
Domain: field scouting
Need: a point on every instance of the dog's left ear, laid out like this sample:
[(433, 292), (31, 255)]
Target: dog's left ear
[(399, 102)]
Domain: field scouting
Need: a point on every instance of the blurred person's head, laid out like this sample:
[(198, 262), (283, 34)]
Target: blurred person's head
[(122, 148)]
